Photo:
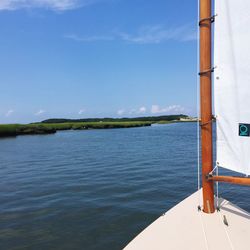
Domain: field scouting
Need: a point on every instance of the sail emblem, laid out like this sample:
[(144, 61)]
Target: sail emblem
[(244, 129)]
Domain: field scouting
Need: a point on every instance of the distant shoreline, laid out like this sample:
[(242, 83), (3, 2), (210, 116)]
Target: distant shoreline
[(51, 126)]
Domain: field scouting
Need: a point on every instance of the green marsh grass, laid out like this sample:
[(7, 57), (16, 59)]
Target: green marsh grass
[(48, 128)]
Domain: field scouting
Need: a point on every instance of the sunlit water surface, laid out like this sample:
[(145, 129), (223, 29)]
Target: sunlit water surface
[(95, 189)]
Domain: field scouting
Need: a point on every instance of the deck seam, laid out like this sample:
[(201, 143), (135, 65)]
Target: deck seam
[(203, 229)]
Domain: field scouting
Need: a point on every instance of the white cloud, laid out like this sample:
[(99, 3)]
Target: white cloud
[(40, 112), (81, 111), (146, 35), (56, 5), (158, 34), (121, 112), (88, 38), (9, 113), (156, 109), (142, 110)]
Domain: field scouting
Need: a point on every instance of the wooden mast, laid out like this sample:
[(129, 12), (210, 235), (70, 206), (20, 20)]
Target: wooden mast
[(206, 105)]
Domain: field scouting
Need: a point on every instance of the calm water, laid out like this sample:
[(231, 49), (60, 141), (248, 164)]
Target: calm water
[(95, 189)]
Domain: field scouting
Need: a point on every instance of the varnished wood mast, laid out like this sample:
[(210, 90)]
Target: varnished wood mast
[(206, 112), (206, 105)]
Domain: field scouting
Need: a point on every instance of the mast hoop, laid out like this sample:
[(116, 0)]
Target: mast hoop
[(207, 71), (211, 19), (204, 124)]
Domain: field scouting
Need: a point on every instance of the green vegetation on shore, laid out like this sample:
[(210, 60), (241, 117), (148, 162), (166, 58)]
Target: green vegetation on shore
[(135, 119), (29, 129), (50, 128), (52, 125), (94, 125)]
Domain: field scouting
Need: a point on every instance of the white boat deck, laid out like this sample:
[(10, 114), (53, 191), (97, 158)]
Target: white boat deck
[(184, 228)]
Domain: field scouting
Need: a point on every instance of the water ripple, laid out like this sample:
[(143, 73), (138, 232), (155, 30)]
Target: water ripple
[(95, 189)]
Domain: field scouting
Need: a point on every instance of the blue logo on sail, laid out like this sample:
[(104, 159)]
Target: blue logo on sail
[(244, 129)]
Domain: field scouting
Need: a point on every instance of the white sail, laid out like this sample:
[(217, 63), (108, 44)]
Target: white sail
[(232, 84)]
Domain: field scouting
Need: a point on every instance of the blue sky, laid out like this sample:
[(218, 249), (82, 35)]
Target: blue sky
[(96, 58)]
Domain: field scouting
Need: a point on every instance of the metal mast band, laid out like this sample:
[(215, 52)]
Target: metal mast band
[(206, 71), (211, 19)]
